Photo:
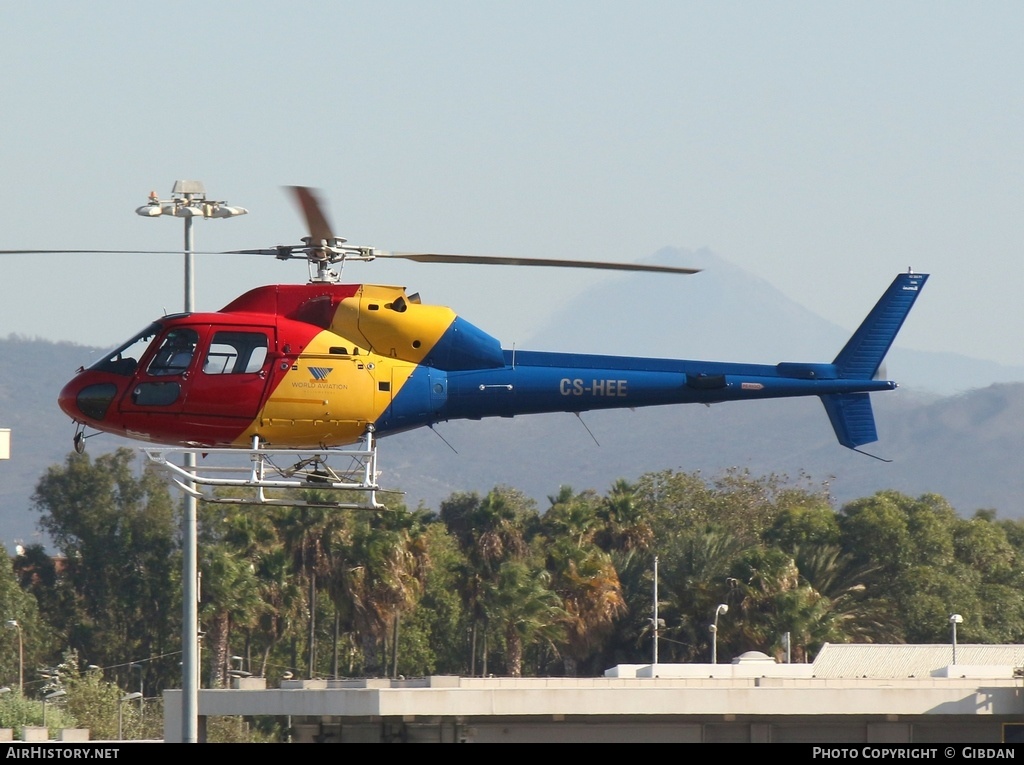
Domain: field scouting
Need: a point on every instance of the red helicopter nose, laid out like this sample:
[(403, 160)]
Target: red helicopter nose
[(86, 399)]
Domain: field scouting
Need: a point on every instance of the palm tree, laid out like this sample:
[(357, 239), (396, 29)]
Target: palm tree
[(588, 584), (582, 574), (285, 601), (230, 597), (626, 525), (306, 531), (772, 595), (490, 532), (695, 577), (253, 537), (376, 575), (522, 608), (847, 611)]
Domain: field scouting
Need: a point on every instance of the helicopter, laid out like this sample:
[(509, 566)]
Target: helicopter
[(297, 381)]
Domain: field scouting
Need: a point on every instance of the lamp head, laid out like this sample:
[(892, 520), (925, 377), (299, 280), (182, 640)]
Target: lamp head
[(956, 619)]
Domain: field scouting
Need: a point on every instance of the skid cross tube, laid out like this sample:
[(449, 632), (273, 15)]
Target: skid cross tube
[(304, 470)]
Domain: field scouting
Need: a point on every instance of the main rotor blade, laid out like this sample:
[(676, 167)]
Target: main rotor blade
[(312, 210), (99, 252), (288, 252), (434, 257), (283, 252)]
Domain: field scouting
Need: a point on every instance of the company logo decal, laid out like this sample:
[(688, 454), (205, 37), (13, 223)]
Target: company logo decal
[(318, 380)]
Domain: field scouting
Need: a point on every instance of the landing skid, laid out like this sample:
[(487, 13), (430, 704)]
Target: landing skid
[(288, 470)]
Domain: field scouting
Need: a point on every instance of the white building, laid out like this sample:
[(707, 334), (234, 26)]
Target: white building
[(856, 693)]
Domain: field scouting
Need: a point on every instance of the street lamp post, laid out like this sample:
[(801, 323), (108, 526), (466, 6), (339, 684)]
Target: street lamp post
[(21, 655), (141, 695), (721, 609), (188, 201), (140, 669), (238, 674), (120, 712), (955, 619), (50, 697)]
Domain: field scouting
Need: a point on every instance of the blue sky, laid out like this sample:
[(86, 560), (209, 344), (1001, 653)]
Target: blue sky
[(821, 146)]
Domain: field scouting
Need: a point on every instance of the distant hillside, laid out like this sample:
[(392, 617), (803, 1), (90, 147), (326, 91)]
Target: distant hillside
[(32, 373), (967, 447)]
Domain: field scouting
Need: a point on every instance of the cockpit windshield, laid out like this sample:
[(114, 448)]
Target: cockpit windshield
[(125, 359)]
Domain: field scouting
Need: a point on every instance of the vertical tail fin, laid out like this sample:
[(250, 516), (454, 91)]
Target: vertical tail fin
[(863, 354), (850, 413)]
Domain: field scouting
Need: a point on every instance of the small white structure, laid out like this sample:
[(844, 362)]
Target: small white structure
[(749, 664)]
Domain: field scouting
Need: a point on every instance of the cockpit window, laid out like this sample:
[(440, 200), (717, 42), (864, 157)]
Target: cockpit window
[(233, 353), (125, 359), (175, 354)]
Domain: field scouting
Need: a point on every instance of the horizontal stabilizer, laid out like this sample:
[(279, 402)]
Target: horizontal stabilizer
[(852, 418), (863, 354)]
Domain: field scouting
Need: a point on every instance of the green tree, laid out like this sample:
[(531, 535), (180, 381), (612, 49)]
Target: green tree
[(254, 537), (93, 702), (432, 632), (983, 546), (582, 574), (375, 567), (625, 525), (840, 605), (36, 573), (771, 596), (696, 574), (17, 711), (803, 526), (523, 610), (305, 530), (230, 598), (117, 534), (490, 532), (911, 541), (29, 638), (736, 502)]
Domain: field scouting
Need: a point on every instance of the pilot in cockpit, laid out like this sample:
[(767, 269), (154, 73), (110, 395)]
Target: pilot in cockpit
[(175, 355)]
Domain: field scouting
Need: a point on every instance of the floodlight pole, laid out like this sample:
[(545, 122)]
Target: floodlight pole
[(188, 202), (190, 561), (655, 622)]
